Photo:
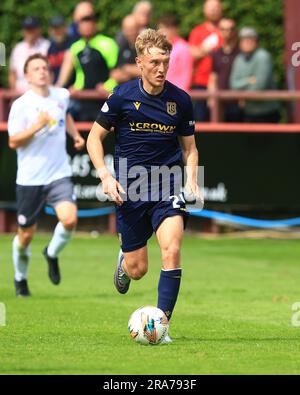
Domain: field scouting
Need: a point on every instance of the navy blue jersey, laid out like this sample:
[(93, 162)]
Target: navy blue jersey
[(147, 126)]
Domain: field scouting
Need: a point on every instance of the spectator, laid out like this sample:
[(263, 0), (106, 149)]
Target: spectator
[(83, 8), (204, 39), (32, 43), (59, 43), (222, 60), (92, 57), (126, 66), (252, 70), (181, 61), (142, 12)]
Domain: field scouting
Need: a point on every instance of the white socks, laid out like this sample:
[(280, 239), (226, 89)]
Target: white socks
[(60, 238), (20, 260)]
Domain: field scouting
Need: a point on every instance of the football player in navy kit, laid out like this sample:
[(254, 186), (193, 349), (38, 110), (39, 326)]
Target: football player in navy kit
[(153, 124)]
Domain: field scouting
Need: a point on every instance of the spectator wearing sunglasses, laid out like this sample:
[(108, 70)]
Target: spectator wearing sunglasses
[(92, 57)]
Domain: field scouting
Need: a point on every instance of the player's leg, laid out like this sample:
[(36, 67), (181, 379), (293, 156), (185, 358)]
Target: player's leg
[(135, 263), (131, 266), (30, 201), (21, 255), (66, 213), (134, 228), (60, 196), (169, 235)]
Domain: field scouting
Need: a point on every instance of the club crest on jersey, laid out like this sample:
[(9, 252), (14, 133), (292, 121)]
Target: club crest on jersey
[(171, 108), (137, 105)]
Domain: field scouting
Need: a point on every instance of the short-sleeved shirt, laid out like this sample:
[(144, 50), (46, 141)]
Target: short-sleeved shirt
[(44, 158), (147, 126), (181, 64), (210, 37), (19, 55), (93, 60), (222, 65)]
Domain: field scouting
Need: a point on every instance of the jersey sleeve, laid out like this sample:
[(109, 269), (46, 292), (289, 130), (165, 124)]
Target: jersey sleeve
[(110, 111), (16, 120), (65, 96), (187, 124)]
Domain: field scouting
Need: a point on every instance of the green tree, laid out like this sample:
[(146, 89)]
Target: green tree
[(265, 15)]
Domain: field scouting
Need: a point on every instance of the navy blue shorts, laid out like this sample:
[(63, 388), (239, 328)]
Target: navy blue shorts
[(31, 199), (136, 221)]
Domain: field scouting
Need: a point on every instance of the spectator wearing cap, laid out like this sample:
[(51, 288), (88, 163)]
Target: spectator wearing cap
[(252, 70), (33, 42), (92, 58), (204, 39), (222, 60), (181, 61), (60, 41), (126, 68)]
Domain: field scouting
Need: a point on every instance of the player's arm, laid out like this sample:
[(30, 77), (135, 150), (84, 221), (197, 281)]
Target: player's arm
[(73, 132), (24, 136), (96, 152), (190, 160)]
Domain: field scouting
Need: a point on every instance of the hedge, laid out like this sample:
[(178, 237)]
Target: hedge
[(265, 15)]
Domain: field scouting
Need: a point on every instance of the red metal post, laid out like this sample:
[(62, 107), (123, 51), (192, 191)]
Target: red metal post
[(292, 36)]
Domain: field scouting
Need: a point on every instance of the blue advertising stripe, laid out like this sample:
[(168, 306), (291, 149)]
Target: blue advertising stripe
[(256, 223), (87, 213)]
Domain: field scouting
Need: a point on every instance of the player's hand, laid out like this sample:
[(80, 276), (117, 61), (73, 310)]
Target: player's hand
[(79, 142), (43, 120), (112, 188), (192, 192)]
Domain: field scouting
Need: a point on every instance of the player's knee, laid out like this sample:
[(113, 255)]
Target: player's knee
[(137, 274), (137, 271), (69, 223), (171, 253), (25, 238)]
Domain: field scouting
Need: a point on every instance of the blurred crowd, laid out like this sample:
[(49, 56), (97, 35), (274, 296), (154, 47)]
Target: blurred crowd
[(216, 56)]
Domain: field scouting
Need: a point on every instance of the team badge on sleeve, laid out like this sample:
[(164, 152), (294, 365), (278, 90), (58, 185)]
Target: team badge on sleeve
[(105, 107), (171, 108)]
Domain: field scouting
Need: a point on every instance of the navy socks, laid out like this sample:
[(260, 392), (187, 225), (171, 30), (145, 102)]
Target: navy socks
[(168, 289)]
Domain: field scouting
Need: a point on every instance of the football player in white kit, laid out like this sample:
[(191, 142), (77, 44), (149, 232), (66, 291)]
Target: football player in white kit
[(37, 126)]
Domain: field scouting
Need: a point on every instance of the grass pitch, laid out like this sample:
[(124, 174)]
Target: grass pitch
[(233, 315)]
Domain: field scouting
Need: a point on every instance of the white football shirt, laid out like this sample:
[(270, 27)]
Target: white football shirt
[(44, 158)]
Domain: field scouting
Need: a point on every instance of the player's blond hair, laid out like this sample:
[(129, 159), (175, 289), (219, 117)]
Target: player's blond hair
[(150, 38)]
